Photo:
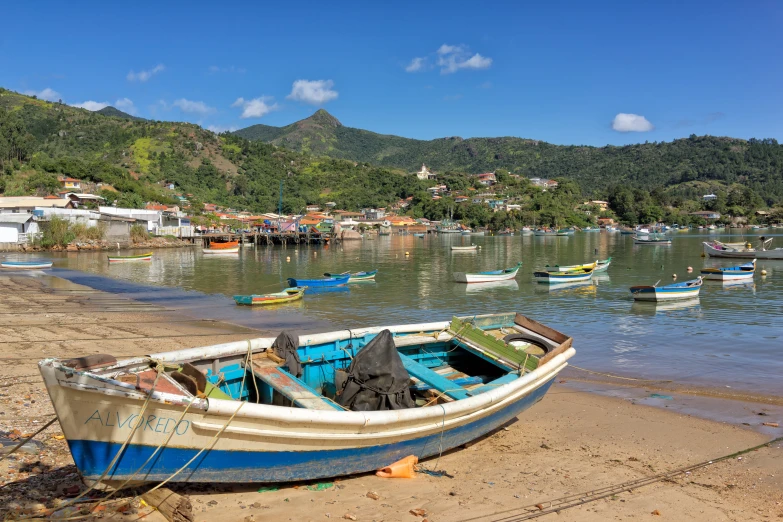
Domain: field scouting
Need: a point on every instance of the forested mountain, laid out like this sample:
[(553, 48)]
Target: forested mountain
[(757, 164)]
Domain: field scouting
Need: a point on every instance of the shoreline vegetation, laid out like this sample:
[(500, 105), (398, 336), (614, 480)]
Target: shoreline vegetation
[(136, 162), (533, 459)]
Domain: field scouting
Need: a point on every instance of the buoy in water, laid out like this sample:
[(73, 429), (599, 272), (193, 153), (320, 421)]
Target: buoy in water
[(674, 276), (288, 259), (690, 269), (407, 253), (763, 272)]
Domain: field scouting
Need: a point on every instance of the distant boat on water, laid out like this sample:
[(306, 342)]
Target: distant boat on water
[(732, 273), (356, 276), (684, 290), (129, 259), (487, 277), (550, 277), (652, 239), (35, 264), (335, 280), (287, 295), (464, 248)]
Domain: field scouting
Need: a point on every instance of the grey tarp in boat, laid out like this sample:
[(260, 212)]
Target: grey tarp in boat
[(285, 347), (377, 379)]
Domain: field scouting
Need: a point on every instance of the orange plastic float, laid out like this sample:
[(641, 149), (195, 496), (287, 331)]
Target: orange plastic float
[(400, 469)]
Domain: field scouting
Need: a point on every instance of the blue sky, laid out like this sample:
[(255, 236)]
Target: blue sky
[(564, 72)]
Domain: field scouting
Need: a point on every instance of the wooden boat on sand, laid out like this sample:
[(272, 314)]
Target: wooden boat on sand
[(732, 273), (130, 259), (486, 277), (266, 410), (356, 276), (33, 264), (335, 280), (684, 290), (287, 295)]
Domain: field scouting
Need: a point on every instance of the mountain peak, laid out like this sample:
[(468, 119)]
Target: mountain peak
[(324, 118)]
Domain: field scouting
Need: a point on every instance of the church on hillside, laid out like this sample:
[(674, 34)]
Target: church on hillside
[(425, 173)]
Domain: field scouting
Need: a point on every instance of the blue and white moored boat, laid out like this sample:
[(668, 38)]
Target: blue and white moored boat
[(335, 280), (36, 264), (684, 290), (733, 273), (569, 276), (238, 412)]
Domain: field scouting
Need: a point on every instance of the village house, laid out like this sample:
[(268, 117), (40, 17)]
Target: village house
[(14, 228), (709, 197), (71, 183), (29, 203), (313, 208), (543, 183), (374, 214), (488, 179), (603, 205)]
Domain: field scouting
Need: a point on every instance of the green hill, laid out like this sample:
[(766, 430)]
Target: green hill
[(111, 111), (755, 163)]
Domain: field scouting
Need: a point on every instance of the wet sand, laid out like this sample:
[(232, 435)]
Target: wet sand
[(572, 442)]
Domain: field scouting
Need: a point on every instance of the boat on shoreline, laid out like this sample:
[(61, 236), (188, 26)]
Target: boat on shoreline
[(743, 250), (356, 276), (267, 410), (287, 295), (35, 264), (487, 277), (684, 290), (335, 280), (130, 259), (732, 273)]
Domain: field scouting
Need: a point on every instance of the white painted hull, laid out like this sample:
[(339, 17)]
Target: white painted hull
[(667, 296), (464, 248), (463, 277), (723, 276), (209, 251), (711, 251)]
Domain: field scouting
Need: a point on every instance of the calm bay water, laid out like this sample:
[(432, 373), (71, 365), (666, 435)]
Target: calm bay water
[(729, 336)]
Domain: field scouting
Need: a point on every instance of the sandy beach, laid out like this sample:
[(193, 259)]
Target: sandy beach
[(583, 436)]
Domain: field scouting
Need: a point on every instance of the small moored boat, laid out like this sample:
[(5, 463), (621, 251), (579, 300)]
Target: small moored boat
[(684, 290), (287, 295), (223, 245), (570, 268), (268, 410), (732, 273), (356, 276), (335, 280), (544, 276), (486, 277), (219, 251), (743, 250), (602, 265), (418, 234), (35, 264), (130, 259), (471, 247), (651, 239)]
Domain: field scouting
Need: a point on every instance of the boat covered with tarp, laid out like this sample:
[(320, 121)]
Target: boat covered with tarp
[(301, 408)]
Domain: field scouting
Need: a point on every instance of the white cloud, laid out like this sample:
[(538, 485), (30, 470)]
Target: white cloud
[(194, 107), (46, 94), (217, 129), (143, 76), (91, 105), (125, 105), (315, 92), (416, 65), (452, 58), (255, 108), (631, 123)]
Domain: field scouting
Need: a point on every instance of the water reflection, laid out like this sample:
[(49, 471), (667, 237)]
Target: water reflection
[(653, 307), (417, 287)]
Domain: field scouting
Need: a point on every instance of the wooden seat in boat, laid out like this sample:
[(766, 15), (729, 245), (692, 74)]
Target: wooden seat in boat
[(289, 386), (432, 378)]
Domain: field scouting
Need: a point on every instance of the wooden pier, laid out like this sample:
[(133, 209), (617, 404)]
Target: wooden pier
[(266, 238)]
